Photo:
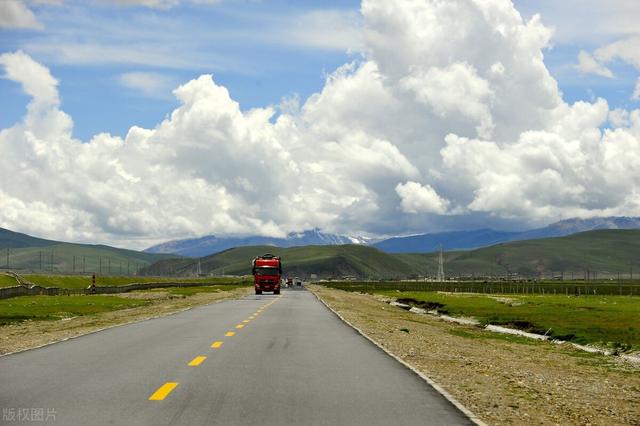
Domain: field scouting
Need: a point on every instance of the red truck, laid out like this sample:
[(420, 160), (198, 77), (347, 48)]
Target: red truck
[(267, 270)]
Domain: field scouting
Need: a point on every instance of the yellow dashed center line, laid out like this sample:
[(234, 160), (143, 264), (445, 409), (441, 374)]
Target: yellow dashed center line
[(197, 361), (163, 391)]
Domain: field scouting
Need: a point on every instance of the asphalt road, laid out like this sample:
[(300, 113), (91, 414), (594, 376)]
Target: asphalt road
[(291, 361)]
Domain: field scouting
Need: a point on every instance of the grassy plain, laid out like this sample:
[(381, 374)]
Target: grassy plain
[(83, 281), (7, 281), (51, 308), (84, 314), (607, 320), (602, 287), (613, 321)]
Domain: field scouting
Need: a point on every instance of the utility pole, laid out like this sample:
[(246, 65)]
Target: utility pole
[(440, 277), (128, 267), (7, 257), (100, 267), (40, 260), (74, 264), (51, 264), (84, 263), (109, 268)]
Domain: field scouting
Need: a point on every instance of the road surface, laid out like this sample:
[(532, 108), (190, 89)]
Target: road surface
[(258, 360)]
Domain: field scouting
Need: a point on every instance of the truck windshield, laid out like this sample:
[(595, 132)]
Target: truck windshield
[(267, 271)]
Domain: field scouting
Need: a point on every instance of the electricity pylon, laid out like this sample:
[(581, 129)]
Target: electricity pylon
[(440, 277)]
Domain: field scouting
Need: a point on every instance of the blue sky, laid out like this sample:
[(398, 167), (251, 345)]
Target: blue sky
[(387, 118), (251, 47)]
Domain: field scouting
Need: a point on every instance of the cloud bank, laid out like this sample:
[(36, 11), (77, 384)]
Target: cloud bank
[(429, 123)]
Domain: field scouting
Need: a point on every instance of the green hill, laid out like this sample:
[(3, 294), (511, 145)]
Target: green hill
[(323, 261), (600, 252), (605, 252), (22, 252), (10, 239)]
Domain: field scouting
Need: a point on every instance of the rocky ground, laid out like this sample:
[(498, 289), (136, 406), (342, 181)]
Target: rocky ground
[(502, 379), (30, 334)]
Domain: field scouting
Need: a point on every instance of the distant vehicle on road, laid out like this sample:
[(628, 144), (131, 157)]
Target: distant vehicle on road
[(289, 282), (267, 270), (298, 281)]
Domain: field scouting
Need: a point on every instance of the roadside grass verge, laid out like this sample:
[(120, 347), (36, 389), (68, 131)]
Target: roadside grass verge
[(51, 308), (83, 281), (612, 321)]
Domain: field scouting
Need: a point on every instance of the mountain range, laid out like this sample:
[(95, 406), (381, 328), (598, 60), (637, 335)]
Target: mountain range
[(204, 246), (599, 253), (460, 240), (423, 243)]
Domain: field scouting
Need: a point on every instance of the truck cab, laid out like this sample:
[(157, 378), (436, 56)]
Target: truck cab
[(267, 271)]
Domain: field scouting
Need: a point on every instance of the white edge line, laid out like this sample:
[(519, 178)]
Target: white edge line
[(114, 326), (475, 419)]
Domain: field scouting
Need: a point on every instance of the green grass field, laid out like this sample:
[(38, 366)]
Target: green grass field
[(612, 321), (7, 281), (50, 308), (83, 281), (549, 287), (607, 320)]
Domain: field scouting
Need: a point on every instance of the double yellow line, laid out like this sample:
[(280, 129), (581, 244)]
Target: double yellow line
[(163, 391)]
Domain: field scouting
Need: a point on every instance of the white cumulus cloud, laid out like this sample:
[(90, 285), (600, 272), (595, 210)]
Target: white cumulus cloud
[(417, 198), (472, 112)]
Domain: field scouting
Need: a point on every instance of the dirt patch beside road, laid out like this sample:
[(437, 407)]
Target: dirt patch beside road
[(502, 379), (30, 334)]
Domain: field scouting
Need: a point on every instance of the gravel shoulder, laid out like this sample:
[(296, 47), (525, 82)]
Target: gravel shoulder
[(502, 379), (31, 334)]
